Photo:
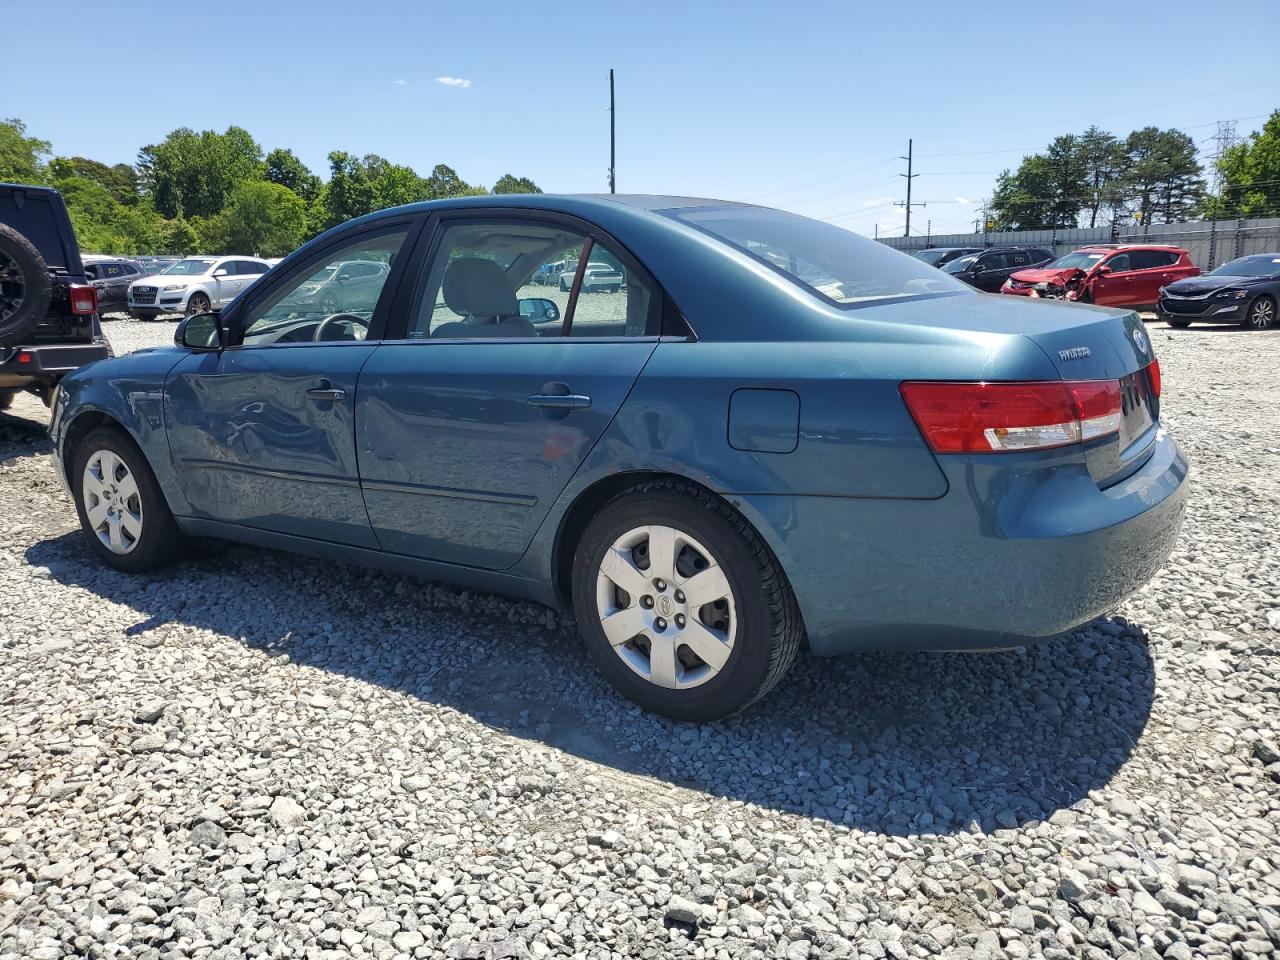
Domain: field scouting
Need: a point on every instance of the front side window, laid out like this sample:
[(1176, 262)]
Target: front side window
[(1119, 263), (832, 262), (250, 268), (961, 264), (317, 304), (516, 279)]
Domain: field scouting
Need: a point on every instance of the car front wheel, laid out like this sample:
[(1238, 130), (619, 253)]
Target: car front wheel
[(122, 511), (198, 303), (681, 604), (1261, 314)]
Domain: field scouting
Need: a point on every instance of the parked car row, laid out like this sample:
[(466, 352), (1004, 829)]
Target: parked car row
[(193, 285)]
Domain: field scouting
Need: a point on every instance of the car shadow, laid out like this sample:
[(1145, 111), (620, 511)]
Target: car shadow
[(21, 437), (897, 743)]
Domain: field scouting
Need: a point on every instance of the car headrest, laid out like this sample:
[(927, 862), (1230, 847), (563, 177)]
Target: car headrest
[(478, 288)]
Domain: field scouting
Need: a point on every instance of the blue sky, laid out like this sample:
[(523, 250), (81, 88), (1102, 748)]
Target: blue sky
[(800, 105)]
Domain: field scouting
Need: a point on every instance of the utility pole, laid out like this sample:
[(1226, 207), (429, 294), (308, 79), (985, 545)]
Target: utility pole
[(910, 176), (613, 185), (1226, 138), (928, 232)]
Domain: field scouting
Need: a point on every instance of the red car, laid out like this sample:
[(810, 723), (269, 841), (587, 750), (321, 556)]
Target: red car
[(1108, 274)]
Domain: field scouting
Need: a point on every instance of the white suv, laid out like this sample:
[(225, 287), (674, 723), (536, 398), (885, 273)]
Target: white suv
[(194, 285)]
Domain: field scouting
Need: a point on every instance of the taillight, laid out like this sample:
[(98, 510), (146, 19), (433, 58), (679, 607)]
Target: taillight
[(1153, 377), (1002, 417), (84, 299)]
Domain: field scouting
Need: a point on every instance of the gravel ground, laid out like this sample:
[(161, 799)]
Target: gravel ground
[(258, 755)]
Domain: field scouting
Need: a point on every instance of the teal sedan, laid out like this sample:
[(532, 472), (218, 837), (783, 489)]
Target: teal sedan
[(773, 435)]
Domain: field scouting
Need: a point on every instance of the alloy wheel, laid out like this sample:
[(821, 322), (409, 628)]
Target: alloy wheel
[(197, 304), (1263, 314), (13, 287), (666, 606), (112, 504)]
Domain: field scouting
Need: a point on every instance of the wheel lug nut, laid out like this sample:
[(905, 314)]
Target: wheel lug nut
[(679, 596), (660, 584), (659, 624), (680, 620), (647, 602)]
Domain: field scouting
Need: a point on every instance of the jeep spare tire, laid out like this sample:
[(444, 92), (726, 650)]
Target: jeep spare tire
[(25, 286)]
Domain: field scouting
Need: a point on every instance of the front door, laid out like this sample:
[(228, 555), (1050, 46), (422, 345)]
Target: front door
[(1118, 286), (471, 424), (263, 434)]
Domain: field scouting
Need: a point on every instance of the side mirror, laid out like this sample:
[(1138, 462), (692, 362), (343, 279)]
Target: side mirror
[(539, 310), (344, 276), (221, 272), (201, 332), (1102, 270)]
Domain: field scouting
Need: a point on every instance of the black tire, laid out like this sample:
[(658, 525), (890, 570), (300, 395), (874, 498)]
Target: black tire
[(769, 631), (564, 287), (6, 398), (1260, 314), (161, 541), (1178, 324), (198, 303), (25, 286)]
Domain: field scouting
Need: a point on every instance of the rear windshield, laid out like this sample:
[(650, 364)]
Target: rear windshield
[(832, 262)]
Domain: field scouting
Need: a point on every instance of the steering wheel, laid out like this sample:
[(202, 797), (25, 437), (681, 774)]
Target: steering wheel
[(325, 325)]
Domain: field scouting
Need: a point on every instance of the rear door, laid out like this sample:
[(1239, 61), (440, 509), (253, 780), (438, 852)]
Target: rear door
[(991, 273), (472, 421)]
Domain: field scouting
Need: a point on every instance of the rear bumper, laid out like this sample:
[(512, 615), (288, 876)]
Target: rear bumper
[(1006, 556), (21, 366)]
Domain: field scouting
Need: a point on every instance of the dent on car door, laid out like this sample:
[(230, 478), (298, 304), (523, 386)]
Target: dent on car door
[(262, 434), (471, 425)]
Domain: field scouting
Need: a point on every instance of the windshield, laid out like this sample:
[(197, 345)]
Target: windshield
[(1263, 266), (828, 260), (189, 267), (1079, 260)]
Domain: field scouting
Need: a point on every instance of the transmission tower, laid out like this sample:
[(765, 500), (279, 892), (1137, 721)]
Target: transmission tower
[(1225, 138)]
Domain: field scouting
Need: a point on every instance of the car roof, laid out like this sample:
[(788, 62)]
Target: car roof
[(1129, 246)]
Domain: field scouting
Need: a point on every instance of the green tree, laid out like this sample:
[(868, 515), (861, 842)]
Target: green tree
[(263, 218), (509, 184), (444, 182), (1022, 200), (1102, 161), (284, 168), (21, 157), (350, 191), (120, 180), (1250, 173), (195, 173), (1162, 175)]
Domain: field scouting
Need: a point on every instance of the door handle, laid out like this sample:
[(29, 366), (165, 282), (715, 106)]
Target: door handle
[(327, 393), (571, 401)]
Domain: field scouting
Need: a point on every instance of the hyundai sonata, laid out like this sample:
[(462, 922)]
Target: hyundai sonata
[(774, 435)]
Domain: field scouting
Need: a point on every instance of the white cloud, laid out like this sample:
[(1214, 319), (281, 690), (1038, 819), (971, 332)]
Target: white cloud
[(454, 82), (401, 83), (963, 200)]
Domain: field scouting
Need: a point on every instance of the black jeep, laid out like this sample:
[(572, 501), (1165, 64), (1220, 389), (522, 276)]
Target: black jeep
[(49, 322)]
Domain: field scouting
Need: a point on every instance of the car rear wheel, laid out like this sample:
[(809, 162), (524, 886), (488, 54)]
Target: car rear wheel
[(1261, 314), (198, 303), (681, 604), (6, 398), (124, 516)]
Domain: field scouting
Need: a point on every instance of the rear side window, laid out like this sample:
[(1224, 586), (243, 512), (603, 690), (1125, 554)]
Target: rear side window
[(840, 266), (1151, 259), (249, 268)]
